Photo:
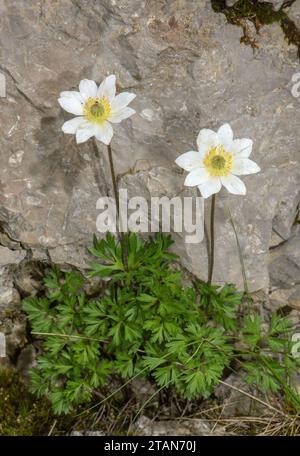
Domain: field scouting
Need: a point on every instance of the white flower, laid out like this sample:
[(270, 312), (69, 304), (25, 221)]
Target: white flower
[(97, 108), (219, 160)]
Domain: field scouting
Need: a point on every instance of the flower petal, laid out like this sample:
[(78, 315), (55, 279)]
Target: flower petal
[(225, 135), (233, 184), (213, 185), (72, 105), (88, 88), (121, 101), (196, 177), (242, 166), (242, 147), (104, 132), (107, 88), (85, 132), (72, 94), (117, 117), (206, 139), (189, 160), (71, 126)]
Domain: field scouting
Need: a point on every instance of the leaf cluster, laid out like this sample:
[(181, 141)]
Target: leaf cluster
[(147, 323)]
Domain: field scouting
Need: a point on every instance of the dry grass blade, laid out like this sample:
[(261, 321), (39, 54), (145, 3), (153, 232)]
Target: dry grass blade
[(240, 253)]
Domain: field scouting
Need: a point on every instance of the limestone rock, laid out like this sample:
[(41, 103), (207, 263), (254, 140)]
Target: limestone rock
[(286, 297), (9, 298), (294, 318), (8, 256), (294, 13), (238, 398), (294, 298), (2, 345), (285, 263), (148, 427), (15, 337), (189, 71), (28, 278), (76, 433)]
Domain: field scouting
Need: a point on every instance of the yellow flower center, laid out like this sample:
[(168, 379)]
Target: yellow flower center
[(97, 110), (218, 162)]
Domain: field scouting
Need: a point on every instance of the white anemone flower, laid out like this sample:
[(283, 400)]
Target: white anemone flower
[(97, 108), (218, 161)]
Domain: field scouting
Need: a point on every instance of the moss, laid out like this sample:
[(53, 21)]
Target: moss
[(23, 414), (20, 412), (260, 13), (137, 77)]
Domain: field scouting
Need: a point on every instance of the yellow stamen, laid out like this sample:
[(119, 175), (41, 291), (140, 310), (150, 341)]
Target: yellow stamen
[(218, 162), (97, 110)]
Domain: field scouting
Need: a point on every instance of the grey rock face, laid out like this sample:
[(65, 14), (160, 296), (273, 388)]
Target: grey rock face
[(13, 330), (12, 320), (283, 297), (87, 433), (285, 263), (294, 13), (147, 427), (9, 298), (189, 71), (8, 256)]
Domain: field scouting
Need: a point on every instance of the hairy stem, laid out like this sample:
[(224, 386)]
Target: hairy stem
[(212, 239), (116, 196)]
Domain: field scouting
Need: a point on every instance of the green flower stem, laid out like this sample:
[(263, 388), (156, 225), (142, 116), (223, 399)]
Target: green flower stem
[(116, 196), (68, 336), (212, 239)]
